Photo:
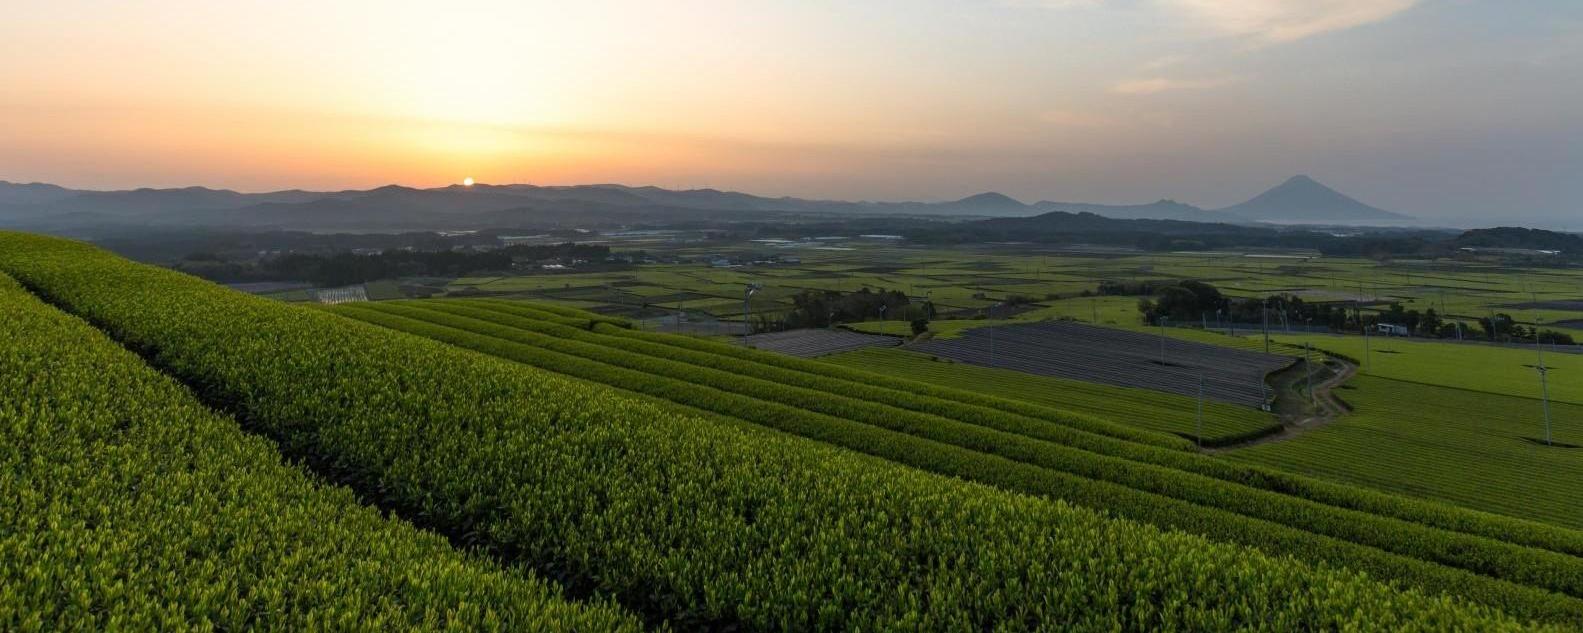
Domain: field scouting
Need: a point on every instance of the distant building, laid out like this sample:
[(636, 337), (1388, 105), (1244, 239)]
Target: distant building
[(1391, 329)]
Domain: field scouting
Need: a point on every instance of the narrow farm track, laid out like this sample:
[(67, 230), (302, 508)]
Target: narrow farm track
[(1330, 408), (1431, 558)]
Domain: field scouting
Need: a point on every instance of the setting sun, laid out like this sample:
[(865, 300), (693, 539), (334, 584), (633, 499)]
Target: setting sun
[(468, 181)]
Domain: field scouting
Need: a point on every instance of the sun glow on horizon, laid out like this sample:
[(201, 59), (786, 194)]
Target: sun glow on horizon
[(467, 182)]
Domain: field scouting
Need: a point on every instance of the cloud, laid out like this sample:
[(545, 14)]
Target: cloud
[(1155, 85), (1164, 62), (1278, 21), (1076, 119), (1052, 4)]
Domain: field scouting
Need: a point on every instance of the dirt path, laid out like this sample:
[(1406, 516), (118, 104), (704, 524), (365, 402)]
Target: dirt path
[(1329, 406)]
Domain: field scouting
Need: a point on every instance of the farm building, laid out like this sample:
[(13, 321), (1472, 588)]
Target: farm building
[(1391, 329)]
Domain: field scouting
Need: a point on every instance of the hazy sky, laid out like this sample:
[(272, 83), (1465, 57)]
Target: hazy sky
[(1439, 108)]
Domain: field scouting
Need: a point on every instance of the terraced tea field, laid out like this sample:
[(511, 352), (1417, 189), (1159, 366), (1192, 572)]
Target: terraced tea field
[(670, 500), (886, 417)]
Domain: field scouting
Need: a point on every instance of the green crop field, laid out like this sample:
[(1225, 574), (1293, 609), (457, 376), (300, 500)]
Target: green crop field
[(717, 524), (131, 506), (969, 286), (698, 484), (703, 375), (1137, 407), (1479, 367), (1472, 448)]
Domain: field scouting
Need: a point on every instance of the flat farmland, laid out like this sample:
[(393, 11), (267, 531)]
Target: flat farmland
[(975, 280), (1115, 357)]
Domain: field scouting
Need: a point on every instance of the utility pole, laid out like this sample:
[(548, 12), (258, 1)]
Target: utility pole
[(1199, 433), (1366, 351), (747, 308), (1264, 312), (1308, 366), (1162, 339), (1544, 383), (992, 336)]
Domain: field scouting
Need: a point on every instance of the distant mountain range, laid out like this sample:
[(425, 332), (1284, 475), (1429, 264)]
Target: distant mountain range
[(50, 207)]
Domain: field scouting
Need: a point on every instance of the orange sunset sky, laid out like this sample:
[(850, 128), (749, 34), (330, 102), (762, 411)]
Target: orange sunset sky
[(1109, 101)]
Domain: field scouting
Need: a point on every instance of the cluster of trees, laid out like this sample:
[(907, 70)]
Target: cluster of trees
[(1110, 288), (1501, 327), (1196, 301), (825, 308), (337, 269)]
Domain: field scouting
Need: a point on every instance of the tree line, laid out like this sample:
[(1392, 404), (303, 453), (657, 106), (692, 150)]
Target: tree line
[(1199, 302), (342, 268), (826, 308)]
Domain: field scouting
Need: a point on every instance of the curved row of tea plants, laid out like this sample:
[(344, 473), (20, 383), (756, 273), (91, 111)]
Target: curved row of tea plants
[(130, 506), (1209, 507), (1144, 408), (703, 524), (1441, 515), (899, 392)]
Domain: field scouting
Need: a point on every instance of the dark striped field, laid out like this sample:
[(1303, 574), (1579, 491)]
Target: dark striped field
[(812, 343), (1115, 357)]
